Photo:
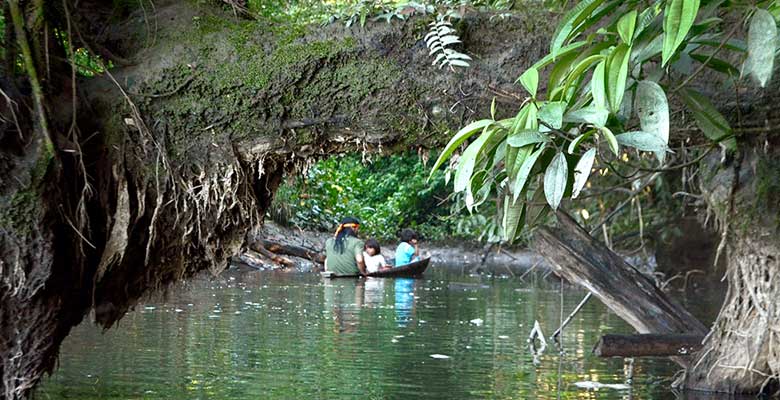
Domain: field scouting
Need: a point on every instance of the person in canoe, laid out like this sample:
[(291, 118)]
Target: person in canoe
[(408, 251), (372, 256), (344, 251)]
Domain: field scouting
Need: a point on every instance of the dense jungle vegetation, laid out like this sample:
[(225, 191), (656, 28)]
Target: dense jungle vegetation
[(140, 144), (388, 192)]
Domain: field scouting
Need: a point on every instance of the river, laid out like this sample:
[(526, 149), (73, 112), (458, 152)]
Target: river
[(261, 335)]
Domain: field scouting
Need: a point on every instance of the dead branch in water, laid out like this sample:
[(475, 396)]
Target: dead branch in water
[(647, 345), (579, 258)]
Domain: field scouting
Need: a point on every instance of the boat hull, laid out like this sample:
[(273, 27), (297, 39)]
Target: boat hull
[(414, 269)]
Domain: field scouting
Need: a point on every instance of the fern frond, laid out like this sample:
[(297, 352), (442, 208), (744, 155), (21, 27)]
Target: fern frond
[(440, 39)]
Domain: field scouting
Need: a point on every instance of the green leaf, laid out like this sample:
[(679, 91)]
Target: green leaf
[(641, 140), (499, 155), (732, 44), (626, 26), (575, 144), (458, 139), (598, 87), (519, 121), (555, 179), (514, 218), (578, 72), (678, 19), (582, 171), (546, 60), (478, 180), (593, 115), (559, 72), (525, 171), (493, 108), (521, 154), (469, 158), (552, 113), (716, 64), (530, 80), (616, 73), (611, 140), (510, 162), (532, 121), (645, 51), (569, 22), (525, 137), (762, 42), (627, 104), (708, 119), (653, 110), (518, 124), (646, 18)]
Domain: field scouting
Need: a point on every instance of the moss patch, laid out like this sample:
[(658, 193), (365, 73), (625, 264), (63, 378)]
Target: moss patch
[(347, 88), (21, 211)]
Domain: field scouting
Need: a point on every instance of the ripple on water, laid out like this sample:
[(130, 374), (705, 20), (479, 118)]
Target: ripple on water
[(267, 335)]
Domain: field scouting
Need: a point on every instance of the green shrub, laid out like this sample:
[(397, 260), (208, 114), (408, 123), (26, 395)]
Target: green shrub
[(388, 194)]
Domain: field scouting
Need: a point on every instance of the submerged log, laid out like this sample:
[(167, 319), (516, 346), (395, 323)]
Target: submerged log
[(581, 259), (647, 345)]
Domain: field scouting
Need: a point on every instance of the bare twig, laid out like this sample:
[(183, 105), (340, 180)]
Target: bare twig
[(625, 202), (707, 61), (568, 319)]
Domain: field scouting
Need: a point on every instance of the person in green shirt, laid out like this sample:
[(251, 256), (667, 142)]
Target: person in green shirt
[(344, 251)]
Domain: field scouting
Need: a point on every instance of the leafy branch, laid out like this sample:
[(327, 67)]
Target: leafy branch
[(611, 66)]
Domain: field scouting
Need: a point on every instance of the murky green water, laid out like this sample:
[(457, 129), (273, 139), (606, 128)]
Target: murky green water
[(262, 335)]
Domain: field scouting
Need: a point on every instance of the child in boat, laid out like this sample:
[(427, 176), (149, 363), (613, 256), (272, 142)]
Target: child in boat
[(408, 251), (372, 256)]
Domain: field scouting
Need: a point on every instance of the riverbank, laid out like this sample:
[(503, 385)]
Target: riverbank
[(464, 256), (673, 269)]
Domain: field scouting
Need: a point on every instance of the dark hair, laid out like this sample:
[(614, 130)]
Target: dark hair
[(373, 244), (406, 235), (342, 233)]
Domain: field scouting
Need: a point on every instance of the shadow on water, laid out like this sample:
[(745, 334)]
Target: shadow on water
[(275, 335)]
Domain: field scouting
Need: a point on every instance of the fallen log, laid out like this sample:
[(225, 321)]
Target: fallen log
[(284, 261), (647, 345), (290, 250), (579, 258), (252, 259)]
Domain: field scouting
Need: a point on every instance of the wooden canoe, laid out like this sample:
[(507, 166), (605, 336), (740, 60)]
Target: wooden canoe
[(409, 270)]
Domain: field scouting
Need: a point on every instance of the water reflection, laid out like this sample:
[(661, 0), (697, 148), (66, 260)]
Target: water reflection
[(345, 298), (404, 301), (288, 336), (375, 292)]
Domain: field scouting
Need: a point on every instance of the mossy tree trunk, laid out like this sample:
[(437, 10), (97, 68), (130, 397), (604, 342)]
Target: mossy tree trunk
[(157, 172), (742, 352)]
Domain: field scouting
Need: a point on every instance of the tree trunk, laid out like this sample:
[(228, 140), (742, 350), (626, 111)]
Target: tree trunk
[(742, 352)]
